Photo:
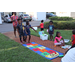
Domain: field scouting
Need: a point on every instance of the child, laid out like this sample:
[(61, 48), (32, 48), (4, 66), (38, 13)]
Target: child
[(73, 37), (51, 30), (28, 26), (42, 25), (58, 40), (21, 32)]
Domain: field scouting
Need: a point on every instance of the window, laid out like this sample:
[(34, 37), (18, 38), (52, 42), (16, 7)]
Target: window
[(26, 15)]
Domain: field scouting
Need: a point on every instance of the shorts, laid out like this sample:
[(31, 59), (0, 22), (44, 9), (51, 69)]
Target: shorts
[(28, 34), (59, 43), (25, 33), (51, 34), (21, 34), (42, 29)]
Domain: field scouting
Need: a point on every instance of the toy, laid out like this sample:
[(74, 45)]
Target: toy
[(66, 46), (66, 40), (54, 45), (61, 55), (47, 30)]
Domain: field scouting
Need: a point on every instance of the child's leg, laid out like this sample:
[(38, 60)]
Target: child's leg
[(62, 42), (25, 38), (50, 37), (57, 43), (20, 38), (14, 31), (29, 38)]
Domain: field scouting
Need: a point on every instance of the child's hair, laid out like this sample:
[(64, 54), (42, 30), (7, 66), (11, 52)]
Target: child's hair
[(19, 19), (42, 20), (13, 12), (73, 32), (57, 34), (27, 22), (51, 22)]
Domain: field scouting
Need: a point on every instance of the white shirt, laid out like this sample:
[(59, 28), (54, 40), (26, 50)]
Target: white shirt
[(70, 56)]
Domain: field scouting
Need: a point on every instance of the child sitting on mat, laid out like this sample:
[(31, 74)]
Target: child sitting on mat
[(58, 40), (73, 37)]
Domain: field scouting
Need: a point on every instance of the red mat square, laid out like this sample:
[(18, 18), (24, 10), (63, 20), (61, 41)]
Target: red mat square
[(36, 49), (29, 44), (51, 51)]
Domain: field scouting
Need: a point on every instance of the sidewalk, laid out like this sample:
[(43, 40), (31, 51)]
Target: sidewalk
[(47, 43)]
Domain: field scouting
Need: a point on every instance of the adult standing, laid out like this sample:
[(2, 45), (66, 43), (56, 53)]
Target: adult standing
[(15, 22)]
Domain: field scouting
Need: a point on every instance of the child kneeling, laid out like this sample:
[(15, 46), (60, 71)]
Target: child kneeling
[(58, 40)]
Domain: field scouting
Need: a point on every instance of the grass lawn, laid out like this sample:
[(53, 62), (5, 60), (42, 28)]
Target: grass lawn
[(66, 34), (11, 51)]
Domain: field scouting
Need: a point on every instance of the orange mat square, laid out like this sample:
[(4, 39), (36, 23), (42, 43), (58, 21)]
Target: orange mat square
[(34, 44), (43, 50)]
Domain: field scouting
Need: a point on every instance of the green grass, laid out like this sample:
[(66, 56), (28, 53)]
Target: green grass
[(66, 34), (11, 51)]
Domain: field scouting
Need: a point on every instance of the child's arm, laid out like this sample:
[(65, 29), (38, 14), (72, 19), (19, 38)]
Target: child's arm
[(57, 40), (25, 30), (33, 29), (48, 29), (62, 39), (18, 32), (53, 30), (12, 19), (72, 38)]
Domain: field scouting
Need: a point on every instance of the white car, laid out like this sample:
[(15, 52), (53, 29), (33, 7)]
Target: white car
[(7, 18), (26, 17)]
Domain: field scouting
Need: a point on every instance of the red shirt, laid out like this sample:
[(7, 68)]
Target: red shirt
[(15, 22), (41, 25), (73, 42)]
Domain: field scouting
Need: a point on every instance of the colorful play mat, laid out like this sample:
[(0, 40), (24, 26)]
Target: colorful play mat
[(46, 52)]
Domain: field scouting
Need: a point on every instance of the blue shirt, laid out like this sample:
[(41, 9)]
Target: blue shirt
[(20, 28), (51, 27), (28, 28)]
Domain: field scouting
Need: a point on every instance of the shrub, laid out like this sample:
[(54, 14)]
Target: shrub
[(61, 18), (61, 24)]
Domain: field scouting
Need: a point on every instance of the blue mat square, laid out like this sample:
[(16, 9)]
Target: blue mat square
[(38, 52)]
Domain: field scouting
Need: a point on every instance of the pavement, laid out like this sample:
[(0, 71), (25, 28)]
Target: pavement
[(7, 27)]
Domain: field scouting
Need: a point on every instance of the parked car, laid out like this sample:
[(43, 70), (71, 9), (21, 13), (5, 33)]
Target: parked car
[(50, 15), (7, 18), (26, 17)]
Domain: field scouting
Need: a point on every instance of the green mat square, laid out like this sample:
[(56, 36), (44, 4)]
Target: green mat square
[(35, 46), (45, 53)]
